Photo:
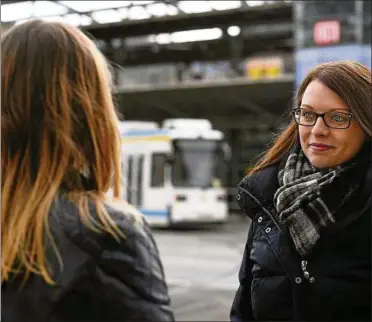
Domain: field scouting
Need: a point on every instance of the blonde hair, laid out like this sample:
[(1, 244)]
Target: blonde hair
[(59, 128)]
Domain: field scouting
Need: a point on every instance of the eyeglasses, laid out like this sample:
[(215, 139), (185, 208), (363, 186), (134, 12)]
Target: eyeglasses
[(332, 119)]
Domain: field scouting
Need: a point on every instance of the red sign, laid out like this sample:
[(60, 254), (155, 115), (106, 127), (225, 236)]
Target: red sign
[(327, 32)]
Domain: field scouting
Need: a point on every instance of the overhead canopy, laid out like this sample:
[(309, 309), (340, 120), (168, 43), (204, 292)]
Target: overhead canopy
[(98, 14), (230, 104), (265, 26)]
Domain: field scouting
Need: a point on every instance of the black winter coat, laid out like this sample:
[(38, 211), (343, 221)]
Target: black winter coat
[(101, 279), (272, 281)]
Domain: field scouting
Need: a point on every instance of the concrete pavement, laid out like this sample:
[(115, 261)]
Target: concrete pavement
[(201, 267)]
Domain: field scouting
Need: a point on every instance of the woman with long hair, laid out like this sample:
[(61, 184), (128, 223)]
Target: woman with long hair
[(69, 252), (308, 252)]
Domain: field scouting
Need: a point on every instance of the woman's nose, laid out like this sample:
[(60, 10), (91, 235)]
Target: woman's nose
[(320, 128)]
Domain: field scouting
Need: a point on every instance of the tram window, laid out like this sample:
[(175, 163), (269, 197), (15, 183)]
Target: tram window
[(157, 170)]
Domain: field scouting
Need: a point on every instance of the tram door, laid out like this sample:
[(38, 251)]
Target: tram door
[(134, 183)]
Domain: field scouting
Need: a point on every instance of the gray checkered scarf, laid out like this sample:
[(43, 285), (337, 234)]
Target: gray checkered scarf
[(308, 199)]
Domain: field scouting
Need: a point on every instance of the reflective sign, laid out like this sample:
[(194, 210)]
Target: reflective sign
[(327, 32)]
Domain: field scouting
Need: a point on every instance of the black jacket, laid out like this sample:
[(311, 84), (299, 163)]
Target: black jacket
[(272, 282), (101, 279)]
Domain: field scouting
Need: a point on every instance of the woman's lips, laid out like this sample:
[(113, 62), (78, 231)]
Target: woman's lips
[(320, 147)]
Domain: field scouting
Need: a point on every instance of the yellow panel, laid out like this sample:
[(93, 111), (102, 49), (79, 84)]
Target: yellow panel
[(145, 138)]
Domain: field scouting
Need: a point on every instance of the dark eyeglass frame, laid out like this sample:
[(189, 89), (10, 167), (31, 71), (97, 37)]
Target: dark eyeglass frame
[(322, 115)]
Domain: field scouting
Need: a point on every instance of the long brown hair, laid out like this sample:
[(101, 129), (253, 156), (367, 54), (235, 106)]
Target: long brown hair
[(348, 79), (58, 125)]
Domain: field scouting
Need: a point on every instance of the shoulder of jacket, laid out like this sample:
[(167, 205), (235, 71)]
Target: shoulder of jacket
[(117, 206), (127, 217), (262, 181), (257, 190), (129, 221)]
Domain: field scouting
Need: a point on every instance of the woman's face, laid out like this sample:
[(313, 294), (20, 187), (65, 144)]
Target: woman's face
[(323, 146)]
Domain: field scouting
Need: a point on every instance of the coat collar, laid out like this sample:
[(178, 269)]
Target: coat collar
[(257, 190), (263, 185)]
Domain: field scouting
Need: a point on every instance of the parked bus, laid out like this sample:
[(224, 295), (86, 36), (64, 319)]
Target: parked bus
[(176, 173)]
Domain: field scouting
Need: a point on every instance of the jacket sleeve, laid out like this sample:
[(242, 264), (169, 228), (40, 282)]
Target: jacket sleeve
[(131, 277), (241, 309)]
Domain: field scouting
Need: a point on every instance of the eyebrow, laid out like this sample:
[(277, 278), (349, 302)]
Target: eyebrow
[(332, 109)]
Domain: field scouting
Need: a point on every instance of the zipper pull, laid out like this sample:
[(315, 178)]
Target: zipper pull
[(304, 269), (306, 272)]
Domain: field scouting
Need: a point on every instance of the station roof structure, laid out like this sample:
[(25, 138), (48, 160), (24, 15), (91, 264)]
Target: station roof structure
[(95, 14), (156, 32)]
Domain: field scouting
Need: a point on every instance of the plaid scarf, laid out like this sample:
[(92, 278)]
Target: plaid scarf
[(308, 199)]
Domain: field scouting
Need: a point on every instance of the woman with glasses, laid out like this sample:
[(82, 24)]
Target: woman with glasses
[(308, 252), (68, 251)]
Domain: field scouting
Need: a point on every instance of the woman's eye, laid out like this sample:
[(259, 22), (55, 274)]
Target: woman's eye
[(339, 118), (308, 115)]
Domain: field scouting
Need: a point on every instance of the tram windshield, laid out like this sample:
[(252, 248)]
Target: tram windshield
[(199, 163)]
